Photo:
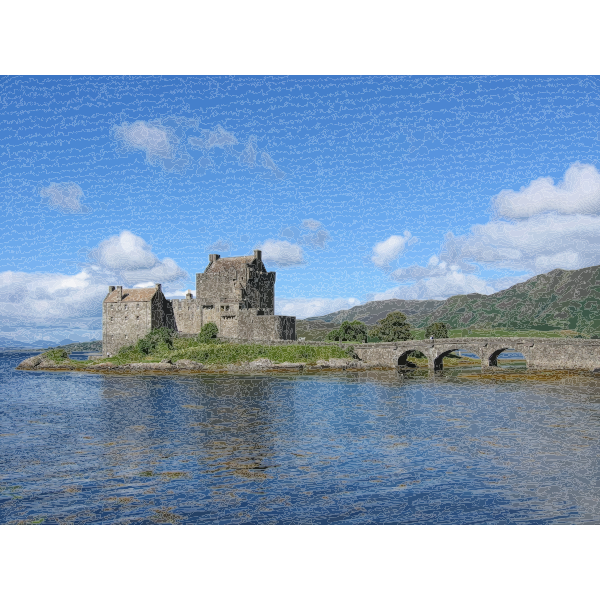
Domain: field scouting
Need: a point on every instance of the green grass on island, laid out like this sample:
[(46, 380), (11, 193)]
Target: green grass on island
[(226, 353)]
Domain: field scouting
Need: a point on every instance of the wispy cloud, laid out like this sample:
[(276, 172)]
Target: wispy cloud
[(65, 197), (274, 171), (312, 224), (250, 153), (218, 246), (151, 137), (215, 138)]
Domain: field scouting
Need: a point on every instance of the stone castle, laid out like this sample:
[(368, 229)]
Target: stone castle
[(236, 293)]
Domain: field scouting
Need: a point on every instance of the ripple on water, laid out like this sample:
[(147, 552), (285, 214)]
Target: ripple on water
[(376, 447)]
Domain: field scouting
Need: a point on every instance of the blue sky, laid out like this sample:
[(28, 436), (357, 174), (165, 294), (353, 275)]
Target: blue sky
[(356, 188)]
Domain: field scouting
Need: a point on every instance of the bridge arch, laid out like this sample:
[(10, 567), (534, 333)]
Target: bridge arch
[(402, 359), (438, 363), (492, 358)]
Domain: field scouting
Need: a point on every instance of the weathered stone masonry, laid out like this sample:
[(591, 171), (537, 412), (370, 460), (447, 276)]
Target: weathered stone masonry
[(236, 293), (539, 353)]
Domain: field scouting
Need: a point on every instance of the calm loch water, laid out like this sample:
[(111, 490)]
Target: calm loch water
[(340, 448)]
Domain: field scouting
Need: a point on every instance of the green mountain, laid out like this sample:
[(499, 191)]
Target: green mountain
[(558, 300), (371, 312)]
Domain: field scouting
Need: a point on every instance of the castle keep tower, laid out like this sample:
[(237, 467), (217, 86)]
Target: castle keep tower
[(235, 293)]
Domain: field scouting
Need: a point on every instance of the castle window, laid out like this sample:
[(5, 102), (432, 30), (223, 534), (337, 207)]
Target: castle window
[(137, 317)]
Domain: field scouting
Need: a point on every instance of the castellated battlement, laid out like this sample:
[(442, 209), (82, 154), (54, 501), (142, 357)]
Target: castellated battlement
[(236, 293)]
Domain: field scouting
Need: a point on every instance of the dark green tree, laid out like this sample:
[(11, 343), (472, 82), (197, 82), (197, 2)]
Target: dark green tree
[(354, 331), (393, 328), (437, 330), (157, 339), (208, 332)]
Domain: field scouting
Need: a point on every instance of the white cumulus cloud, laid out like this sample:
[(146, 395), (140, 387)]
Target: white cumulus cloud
[(303, 308), (282, 253), (578, 192), (39, 302), (131, 259), (384, 253), (65, 197), (538, 244), (438, 287)]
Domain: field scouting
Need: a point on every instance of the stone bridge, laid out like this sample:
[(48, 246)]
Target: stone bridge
[(539, 353)]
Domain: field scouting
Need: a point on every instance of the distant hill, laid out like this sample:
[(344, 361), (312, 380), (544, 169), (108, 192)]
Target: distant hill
[(371, 312), (69, 345), (558, 300)]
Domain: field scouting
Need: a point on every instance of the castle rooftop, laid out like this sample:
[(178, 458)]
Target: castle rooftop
[(131, 295)]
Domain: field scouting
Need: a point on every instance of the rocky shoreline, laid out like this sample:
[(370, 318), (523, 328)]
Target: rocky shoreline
[(42, 363)]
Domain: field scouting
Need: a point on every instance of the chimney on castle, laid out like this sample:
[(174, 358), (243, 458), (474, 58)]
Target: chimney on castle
[(119, 290), (258, 255), (189, 296), (214, 257), (111, 288), (158, 286)]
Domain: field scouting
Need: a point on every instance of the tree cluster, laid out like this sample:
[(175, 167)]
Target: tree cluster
[(437, 330), (393, 328), (208, 333), (157, 339), (354, 331)]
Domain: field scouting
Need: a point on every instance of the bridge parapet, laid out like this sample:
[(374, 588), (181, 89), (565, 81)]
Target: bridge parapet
[(543, 353)]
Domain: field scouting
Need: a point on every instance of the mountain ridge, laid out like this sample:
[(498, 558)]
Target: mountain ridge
[(560, 299)]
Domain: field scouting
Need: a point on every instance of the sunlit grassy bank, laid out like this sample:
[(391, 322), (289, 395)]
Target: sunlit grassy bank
[(230, 353)]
